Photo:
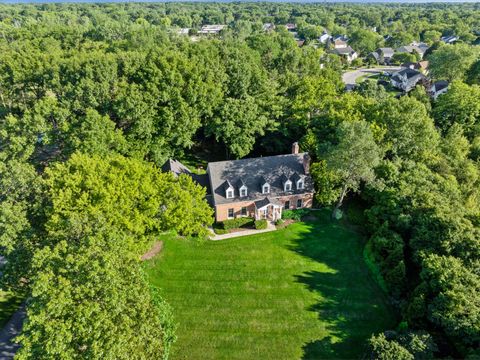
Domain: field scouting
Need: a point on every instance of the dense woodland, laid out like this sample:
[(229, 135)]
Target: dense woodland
[(94, 98)]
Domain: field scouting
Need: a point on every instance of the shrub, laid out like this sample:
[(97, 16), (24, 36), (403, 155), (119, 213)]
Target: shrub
[(295, 214), (387, 248), (219, 231), (279, 222), (261, 224), (237, 223)]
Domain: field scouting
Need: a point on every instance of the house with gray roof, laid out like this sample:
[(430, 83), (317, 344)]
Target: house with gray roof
[(438, 88), (259, 187), (406, 79), (347, 53), (382, 55)]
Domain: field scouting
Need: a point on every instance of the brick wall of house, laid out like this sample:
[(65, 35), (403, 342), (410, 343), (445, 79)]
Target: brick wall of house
[(221, 211)]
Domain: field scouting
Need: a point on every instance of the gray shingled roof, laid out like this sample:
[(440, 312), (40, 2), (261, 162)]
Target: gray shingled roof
[(387, 52), (176, 167), (409, 73), (344, 51), (266, 201), (253, 172)]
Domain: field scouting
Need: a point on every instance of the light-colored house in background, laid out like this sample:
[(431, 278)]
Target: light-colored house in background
[(211, 29), (346, 52)]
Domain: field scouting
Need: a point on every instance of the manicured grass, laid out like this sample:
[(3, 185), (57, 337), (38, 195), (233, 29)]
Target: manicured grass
[(300, 292)]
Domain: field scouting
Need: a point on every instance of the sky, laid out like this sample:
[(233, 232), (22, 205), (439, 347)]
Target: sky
[(296, 1)]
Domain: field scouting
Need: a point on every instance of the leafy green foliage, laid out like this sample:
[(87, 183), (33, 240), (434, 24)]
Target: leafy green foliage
[(295, 214), (406, 345), (354, 158), (451, 62), (261, 224), (237, 223)]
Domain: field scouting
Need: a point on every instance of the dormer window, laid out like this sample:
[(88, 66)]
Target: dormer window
[(300, 184), (265, 189), (230, 193), (287, 186), (243, 191)]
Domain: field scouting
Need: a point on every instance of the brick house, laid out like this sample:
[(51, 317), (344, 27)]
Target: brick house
[(258, 187)]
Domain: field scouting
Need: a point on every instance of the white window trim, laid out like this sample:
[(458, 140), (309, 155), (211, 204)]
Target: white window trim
[(266, 186), (243, 188), (285, 186), (302, 183), (230, 190)]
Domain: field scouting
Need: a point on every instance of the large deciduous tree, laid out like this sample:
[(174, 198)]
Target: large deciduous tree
[(354, 157), (451, 62)]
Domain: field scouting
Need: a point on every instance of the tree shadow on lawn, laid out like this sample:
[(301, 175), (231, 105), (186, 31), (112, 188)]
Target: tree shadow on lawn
[(350, 304)]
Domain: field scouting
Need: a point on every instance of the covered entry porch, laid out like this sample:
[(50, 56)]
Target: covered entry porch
[(268, 209)]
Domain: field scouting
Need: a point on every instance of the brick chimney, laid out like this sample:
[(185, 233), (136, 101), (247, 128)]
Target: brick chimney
[(295, 148), (306, 163)]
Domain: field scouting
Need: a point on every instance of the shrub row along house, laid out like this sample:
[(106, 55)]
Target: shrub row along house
[(258, 187)]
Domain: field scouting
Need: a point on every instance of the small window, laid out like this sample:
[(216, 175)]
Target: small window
[(288, 186), (299, 203), (243, 192), (244, 211), (229, 194), (230, 213), (265, 189), (287, 205), (300, 185)]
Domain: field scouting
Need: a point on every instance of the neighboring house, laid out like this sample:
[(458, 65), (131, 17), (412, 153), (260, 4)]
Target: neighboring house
[(268, 27), (258, 187), (438, 88), (347, 53), (449, 39), (291, 27), (411, 49), (383, 55), (211, 29), (420, 66), (183, 31), (406, 79), (340, 42), (374, 55), (324, 38), (423, 46), (177, 168)]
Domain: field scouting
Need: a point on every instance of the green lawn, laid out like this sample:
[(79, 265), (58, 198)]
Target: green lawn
[(300, 292)]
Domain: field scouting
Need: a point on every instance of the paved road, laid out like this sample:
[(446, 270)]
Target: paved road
[(8, 334), (350, 77)]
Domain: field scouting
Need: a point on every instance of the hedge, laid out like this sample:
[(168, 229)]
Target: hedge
[(237, 223), (260, 224), (295, 214)]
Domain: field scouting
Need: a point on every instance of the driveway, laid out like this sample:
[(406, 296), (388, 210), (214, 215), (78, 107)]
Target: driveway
[(350, 77)]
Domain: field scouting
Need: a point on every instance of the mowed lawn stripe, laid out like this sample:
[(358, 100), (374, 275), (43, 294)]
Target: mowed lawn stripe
[(303, 291)]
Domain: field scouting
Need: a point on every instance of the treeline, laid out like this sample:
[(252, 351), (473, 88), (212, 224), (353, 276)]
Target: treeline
[(415, 165)]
